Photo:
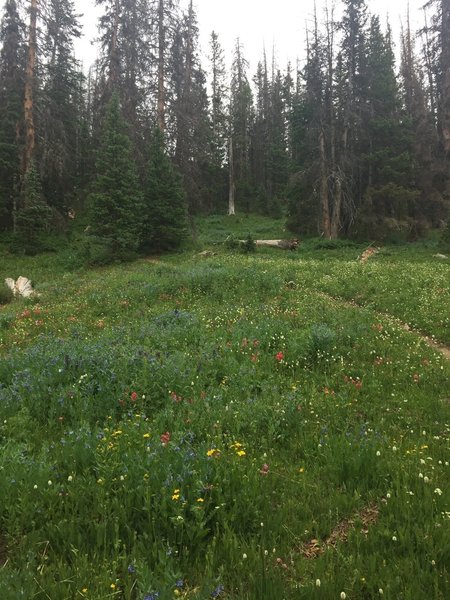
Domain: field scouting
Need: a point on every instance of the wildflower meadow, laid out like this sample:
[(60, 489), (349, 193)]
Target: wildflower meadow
[(242, 426)]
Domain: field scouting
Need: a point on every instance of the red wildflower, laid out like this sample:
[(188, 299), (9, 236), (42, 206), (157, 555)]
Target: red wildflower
[(134, 396), (264, 470), (165, 438), (279, 356)]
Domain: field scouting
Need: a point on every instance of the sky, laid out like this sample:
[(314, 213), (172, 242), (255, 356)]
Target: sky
[(258, 24)]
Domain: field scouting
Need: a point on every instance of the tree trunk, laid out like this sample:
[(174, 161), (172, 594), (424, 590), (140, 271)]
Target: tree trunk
[(445, 111), (29, 86), (324, 204), (113, 51), (231, 207), (161, 109)]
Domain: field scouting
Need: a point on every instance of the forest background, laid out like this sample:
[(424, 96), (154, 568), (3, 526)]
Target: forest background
[(352, 140)]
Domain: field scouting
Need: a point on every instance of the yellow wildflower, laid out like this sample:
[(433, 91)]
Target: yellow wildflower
[(213, 452), (240, 453), (200, 499)]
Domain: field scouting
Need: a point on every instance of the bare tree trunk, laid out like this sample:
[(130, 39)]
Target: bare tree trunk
[(161, 109), (324, 204), (337, 208), (445, 110), (231, 207), (113, 51), (29, 86)]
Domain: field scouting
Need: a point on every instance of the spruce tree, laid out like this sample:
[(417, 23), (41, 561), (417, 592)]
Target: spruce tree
[(34, 216), (12, 66), (165, 214), (115, 202)]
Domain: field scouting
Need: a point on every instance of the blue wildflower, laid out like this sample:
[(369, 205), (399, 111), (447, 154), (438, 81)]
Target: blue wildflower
[(219, 589), (131, 569), (151, 596), (179, 583)]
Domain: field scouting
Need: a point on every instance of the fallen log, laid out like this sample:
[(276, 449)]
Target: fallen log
[(282, 244), (21, 287)]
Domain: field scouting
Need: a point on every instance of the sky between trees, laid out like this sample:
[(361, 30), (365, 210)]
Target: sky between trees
[(273, 23)]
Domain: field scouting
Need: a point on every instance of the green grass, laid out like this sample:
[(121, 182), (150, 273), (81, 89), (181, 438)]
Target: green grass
[(187, 426)]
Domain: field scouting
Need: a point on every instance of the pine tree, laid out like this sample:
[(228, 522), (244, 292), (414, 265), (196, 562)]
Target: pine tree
[(165, 213), (60, 104), (115, 214), (12, 67), (189, 111), (241, 116), (33, 219)]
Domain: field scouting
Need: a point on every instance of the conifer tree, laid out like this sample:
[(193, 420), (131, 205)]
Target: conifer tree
[(115, 214), (241, 115), (12, 67), (190, 126), (60, 104), (165, 212), (33, 219)]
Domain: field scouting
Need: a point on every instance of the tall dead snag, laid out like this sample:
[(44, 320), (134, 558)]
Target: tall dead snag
[(231, 193), (161, 108), (29, 87), (324, 203), (114, 51), (445, 63)]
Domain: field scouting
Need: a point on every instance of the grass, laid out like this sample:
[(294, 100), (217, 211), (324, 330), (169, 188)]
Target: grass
[(197, 428)]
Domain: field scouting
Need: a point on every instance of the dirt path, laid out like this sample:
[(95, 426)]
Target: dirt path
[(442, 348)]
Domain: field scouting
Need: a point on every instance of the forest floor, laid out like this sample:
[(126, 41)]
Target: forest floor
[(243, 426)]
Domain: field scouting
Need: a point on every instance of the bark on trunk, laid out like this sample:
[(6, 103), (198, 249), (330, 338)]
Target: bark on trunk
[(29, 85)]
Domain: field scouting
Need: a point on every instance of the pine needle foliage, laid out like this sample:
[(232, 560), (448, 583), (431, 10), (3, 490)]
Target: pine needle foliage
[(34, 216), (165, 223), (115, 203)]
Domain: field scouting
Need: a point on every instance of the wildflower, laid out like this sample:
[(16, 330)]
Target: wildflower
[(264, 470), (176, 495), (244, 556), (426, 479), (84, 590), (380, 591), (343, 595), (133, 396), (146, 435), (279, 356), (378, 453), (219, 589), (318, 584), (113, 586), (70, 478), (179, 583), (438, 491), (240, 453), (200, 499), (131, 569), (213, 452), (301, 470), (49, 482), (151, 596), (165, 438), (394, 538)]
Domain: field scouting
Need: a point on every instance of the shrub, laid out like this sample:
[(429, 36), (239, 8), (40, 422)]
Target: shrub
[(6, 295)]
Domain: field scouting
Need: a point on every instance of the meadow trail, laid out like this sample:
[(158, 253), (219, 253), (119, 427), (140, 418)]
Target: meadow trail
[(436, 345)]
